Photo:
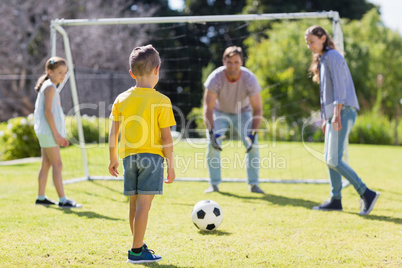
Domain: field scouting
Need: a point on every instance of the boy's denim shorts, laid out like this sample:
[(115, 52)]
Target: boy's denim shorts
[(143, 174)]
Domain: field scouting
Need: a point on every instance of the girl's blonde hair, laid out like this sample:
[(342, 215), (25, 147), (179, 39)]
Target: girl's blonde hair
[(329, 44), (51, 64)]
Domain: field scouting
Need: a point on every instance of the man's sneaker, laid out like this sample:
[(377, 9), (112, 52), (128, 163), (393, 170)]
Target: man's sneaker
[(330, 205), (367, 201), (256, 189), (146, 255), (211, 188), (69, 204), (45, 202)]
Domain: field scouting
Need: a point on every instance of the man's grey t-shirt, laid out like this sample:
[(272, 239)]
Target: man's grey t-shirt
[(233, 97)]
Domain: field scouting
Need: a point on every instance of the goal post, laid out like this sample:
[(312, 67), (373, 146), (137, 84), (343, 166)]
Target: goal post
[(57, 26)]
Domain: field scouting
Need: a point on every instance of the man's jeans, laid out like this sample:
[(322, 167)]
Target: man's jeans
[(334, 147), (242, 125)]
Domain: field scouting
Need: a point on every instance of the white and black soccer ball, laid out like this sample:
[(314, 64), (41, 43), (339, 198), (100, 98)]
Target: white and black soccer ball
[(207, 215)]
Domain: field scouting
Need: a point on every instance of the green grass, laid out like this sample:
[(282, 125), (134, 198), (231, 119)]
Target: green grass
[(275, 230)]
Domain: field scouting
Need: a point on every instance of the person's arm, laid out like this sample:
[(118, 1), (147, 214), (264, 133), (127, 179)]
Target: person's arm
[(336, 119), (113, 145), (167, 147), (49, 94), (209, 104), (256, 105)]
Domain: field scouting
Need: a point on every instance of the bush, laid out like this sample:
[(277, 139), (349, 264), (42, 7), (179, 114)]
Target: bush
[(96, 130), (371, 128), (18, 139)]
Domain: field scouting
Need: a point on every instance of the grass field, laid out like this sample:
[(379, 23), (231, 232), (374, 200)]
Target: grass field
[(278, 229)]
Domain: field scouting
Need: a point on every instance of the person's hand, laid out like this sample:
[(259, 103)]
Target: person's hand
[(214, 137), (251, 138), (113, 165), (323, 125), (170, 175), (336, 122), (61, 141)]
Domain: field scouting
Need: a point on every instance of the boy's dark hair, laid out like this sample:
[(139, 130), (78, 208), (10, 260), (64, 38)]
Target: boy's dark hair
[(231, 51), (143, 60)]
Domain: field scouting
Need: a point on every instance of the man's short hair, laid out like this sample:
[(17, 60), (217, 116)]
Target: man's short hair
[(143, 60), (231, 51)]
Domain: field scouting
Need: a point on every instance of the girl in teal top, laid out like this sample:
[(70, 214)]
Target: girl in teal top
[(51, 131)]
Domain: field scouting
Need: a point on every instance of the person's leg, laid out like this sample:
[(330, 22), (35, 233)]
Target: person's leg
[(132, 210), (130, 174), (330, 153), (143, 205), (43, 173), (221, 122), (53, 154), (149, 182), (334, 160), (243, 126)]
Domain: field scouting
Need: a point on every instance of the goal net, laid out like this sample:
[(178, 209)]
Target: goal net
[(190, 48)]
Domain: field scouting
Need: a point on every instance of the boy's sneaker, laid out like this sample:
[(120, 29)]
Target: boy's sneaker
[(330, 205), (146, 255), (256, 189), (367, 201), (45, 202), (211, 189), (69, 204)]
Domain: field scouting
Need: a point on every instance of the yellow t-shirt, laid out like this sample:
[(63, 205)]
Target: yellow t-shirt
[(142, 113)]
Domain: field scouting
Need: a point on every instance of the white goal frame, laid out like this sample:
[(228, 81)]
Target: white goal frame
[(57, 25)]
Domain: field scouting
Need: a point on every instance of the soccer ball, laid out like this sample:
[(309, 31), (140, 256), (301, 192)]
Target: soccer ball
[(207, 215)]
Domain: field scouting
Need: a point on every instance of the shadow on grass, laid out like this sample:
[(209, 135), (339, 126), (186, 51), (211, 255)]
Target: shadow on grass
[(296, 202), (214, 233), (86, 214), (106, 187), (276, 199), (379, 218), (155, 264)]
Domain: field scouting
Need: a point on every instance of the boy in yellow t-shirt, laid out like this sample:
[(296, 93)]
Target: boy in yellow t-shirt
[(144, 117)]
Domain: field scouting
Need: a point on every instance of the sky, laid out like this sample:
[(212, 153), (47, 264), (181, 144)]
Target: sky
[(390, 11)]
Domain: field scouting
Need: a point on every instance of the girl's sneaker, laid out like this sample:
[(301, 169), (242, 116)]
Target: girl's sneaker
[(45, 202), (146, 255), (69, 204), (330, 205), (367, 201)]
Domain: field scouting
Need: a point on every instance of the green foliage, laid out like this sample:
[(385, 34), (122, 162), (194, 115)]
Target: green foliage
[(352, 9), (96, 130), (280, 64), (280, 61), (372, 128), (196, 119), (374, 57), (18, 139)]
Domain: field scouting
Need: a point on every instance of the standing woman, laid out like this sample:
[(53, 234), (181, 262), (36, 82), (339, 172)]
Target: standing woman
[(51, 131), (338, 111)]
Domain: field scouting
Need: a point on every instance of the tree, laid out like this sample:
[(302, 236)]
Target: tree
[(352, 9), (25, 43), (280, 62)]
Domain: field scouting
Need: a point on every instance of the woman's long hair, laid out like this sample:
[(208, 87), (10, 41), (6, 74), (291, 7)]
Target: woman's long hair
[(329, 44), (51, 64)]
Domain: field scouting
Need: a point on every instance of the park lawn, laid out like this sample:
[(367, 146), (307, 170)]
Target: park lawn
[(278, 229)]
